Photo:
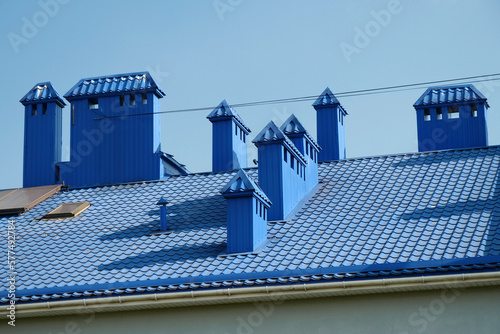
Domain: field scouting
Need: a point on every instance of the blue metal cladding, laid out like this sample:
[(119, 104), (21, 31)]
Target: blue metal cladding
[(42, 135), (305, 143), (330, 117), (282, 171), (109, 149), (247, 209), (229, 139), (451, 118)]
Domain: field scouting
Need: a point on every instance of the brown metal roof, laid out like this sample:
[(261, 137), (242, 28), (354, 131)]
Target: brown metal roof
[(15, 201)]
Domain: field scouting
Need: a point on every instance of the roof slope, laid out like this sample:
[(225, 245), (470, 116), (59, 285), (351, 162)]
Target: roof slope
[(450, 95), (387, 216)]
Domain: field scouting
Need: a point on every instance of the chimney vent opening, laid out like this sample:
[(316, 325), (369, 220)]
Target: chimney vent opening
[(439, 114), (453, 112), (473, 111), (427, 115), (94, 103)]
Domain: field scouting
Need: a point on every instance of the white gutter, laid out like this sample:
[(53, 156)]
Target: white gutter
[(253, 294)]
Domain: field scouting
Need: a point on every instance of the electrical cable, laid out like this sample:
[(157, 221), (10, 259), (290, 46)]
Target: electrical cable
[(361, 92)]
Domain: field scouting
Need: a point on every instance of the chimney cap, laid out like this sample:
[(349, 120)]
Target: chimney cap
[(162, 201), (223, 111), (136, 82), (450, 95), (328, 99), (42, 92), (271, 133), (293, 126), (242, 184)]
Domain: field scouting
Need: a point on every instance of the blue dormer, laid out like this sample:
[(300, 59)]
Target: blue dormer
[(305, 143), (115, 130), (282, 171), (330, 117), (229, 139), (451, 117), (247, 208), (42, 135)]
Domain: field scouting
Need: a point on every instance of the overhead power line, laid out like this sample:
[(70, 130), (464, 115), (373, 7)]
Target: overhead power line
[(369, 91)]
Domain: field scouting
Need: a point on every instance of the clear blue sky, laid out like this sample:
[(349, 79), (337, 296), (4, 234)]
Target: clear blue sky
[(203, 51)]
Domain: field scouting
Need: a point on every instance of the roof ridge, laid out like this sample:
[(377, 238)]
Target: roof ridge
[(410, 153)]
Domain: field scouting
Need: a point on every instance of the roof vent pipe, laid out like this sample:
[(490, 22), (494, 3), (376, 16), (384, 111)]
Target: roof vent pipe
[(163, 214)]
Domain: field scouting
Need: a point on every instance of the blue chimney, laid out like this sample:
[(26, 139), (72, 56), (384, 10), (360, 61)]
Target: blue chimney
[(42, 135), (115, 130), (282, 171), (229, 143), (451, 117), (330, 126), (305, 143), (247, 209)]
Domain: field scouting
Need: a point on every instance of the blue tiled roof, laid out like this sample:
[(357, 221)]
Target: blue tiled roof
[(450, 95), (114, 84), (426, 213), (42, 92)]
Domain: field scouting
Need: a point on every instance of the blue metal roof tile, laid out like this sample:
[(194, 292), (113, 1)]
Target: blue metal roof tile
[(450, 94), (114, 84)]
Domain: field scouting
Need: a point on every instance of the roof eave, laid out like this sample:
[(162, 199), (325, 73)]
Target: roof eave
[(253, 294)]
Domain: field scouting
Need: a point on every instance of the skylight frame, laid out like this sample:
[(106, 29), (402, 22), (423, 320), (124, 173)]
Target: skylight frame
[(67, 210)]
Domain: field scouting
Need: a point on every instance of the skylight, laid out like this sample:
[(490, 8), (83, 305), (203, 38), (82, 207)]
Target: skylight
[(67, 210)]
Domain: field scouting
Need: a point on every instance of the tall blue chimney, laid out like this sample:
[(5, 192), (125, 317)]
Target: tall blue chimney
[(115, 130), (330, 126), (305, 143), (282, 171), (229, 139), (451, 117), (247, 209), (42, 135)]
